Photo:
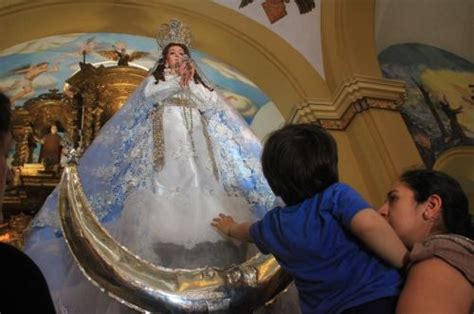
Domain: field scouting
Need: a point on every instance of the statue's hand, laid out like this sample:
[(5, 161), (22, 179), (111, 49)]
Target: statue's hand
[(186, 70)]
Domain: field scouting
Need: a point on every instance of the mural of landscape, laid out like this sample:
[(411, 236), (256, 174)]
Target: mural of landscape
[(439, 109)]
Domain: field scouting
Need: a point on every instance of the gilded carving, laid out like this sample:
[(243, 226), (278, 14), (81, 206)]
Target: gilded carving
[(90, 98), (357, 95), (24, 147), (36, 117), (158, 139), (101, 92)]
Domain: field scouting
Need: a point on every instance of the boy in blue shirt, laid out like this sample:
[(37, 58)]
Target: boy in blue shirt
[(327, 234)]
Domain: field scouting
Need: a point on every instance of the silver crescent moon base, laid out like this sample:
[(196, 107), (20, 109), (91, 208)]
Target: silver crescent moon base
[(146, 287)]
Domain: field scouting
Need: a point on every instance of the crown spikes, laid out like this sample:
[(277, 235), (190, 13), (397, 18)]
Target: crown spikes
[(174, 32)]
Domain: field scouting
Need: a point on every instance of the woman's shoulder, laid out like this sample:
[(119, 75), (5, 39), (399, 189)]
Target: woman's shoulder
[(434, 286), (440, 277), (455, 250)]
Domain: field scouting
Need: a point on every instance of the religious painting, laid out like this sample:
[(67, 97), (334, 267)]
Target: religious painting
[(439, 109)]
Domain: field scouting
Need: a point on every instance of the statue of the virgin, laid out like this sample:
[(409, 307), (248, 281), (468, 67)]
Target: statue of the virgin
[(174, 156)]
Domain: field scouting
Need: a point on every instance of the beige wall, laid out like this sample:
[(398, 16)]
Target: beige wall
[(376, 146), (447, 24), (458, 162)]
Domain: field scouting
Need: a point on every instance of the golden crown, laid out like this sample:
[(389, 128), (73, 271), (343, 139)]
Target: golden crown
[(173, 32)]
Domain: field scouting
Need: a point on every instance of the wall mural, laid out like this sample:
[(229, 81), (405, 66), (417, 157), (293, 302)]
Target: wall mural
[(439, 110), (42, 66)]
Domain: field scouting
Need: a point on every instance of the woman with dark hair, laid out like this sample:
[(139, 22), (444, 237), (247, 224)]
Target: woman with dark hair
[(166, 163), (430, 213)]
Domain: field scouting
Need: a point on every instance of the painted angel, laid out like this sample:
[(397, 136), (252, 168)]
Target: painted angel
[(33, 77), (120, 54)]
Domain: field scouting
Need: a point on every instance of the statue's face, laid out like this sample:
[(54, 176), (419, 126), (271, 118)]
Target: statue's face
[(174, 56), (54, 129)]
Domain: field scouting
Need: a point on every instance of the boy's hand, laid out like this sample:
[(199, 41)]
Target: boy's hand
[(223, 223)]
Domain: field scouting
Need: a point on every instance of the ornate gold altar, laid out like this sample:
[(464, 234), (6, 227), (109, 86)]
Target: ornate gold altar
[(92, 95), (100, 92)]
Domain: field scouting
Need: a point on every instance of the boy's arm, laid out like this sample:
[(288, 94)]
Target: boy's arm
[(379, 236), (230, 228)]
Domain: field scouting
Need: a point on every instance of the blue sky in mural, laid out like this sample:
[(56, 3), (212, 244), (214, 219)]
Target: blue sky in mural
[(21, 69)]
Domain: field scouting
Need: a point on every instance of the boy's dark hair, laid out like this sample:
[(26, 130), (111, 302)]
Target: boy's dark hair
[(299, 161), (5, 114), (424, 183)]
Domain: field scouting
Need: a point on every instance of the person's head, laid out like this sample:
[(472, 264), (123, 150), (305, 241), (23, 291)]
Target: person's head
[(5, 142), (426, 202), (5, 117), (174, 53), (299, 161), (54, 129)]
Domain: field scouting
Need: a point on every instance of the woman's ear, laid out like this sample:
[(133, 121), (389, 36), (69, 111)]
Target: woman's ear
[(432, 211)]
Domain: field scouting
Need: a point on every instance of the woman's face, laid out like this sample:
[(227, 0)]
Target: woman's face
[(405, 214), (174, 56)]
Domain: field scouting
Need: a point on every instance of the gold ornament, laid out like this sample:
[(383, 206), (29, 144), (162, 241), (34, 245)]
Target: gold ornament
[(174, 32)]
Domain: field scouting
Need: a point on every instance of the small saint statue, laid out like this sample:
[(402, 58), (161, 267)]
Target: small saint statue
[(51, 147)]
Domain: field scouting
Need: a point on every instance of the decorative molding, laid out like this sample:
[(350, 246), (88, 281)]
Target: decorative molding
[(451, 154), (358, 94), (35, 118)]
